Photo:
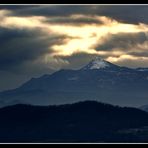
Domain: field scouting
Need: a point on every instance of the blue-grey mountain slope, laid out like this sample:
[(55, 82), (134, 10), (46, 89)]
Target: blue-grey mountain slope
[(99, 80)]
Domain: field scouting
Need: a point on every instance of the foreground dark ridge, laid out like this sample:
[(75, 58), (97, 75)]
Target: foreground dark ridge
[(87, 121)]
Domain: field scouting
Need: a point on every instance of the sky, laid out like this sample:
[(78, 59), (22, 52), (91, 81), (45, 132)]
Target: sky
[(41, 39)]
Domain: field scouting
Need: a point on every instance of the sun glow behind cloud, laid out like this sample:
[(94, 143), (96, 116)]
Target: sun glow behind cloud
[(45, 39), (83, 36), (88, 35)]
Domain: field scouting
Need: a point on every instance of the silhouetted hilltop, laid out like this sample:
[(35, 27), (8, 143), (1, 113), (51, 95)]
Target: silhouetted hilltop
[(88, 121)]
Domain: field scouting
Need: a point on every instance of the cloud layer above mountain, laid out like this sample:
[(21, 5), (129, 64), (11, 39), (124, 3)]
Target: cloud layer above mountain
[(39, 39)]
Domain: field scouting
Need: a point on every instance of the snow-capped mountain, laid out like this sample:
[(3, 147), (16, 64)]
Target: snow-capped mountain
[(98, 80), (100, 64), (97, 63)]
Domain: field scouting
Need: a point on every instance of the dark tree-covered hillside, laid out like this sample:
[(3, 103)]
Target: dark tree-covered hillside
[(87, 121)]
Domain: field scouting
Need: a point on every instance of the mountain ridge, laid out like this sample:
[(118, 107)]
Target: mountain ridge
[(112, 84)]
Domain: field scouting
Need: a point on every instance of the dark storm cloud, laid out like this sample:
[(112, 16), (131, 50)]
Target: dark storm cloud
[(139, 54), (53, 10), (22, 51), (22, 54), (19, 46), (81, 20), (16, 7), (123, 13), (78, 60), (121, 41)]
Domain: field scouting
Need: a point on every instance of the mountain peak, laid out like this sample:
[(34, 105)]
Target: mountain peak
[(97, 63)]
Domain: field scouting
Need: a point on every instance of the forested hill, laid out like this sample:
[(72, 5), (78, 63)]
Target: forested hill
[(87, 121)]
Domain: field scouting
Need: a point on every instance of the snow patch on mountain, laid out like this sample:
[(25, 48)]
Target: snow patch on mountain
[(97, 63)]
